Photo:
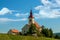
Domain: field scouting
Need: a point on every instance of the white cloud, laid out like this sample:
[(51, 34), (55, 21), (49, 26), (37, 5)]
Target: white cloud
[(17, 15), (58, 2), (49, 9), (45, 2), (7, 19), (21, 14), (4, 11)]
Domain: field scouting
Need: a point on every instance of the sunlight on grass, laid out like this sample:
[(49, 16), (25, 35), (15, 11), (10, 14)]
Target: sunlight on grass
[(18, 37)]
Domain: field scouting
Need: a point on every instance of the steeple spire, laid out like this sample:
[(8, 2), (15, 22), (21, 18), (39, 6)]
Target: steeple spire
[(31, 15)]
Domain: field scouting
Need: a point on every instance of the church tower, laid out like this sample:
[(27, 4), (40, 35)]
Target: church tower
[(31, 18), (25, 29)]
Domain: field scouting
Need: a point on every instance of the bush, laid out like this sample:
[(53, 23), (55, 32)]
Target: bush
[(57, 37), (47, 32)]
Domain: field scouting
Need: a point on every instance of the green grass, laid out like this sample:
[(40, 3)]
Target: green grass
[(18, 37)]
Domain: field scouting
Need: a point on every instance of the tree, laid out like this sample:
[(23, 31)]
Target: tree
[(42, 26), (47, 32), (57, 36), (32, 29), (51, 32)]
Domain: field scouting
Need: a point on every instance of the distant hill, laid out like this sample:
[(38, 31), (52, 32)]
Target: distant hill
[(57, 34)]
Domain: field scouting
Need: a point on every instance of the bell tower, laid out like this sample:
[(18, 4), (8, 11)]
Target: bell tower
[(31, 18)]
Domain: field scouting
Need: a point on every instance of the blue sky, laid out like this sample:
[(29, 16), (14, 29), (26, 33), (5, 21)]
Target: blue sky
[(14, 14)]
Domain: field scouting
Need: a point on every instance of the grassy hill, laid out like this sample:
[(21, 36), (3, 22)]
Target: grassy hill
[(18, 37)]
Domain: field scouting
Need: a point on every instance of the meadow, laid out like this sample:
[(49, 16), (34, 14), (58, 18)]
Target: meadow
[(19, 37)]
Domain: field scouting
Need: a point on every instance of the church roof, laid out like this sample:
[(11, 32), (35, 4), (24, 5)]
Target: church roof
[(14, 30), (37, 25)]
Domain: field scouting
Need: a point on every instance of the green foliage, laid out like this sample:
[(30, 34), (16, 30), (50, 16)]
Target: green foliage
[(57, 36), (47, 32), (32, 29), (51, 32)]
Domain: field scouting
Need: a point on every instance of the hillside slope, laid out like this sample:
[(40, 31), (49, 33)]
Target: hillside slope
[(11, 37)]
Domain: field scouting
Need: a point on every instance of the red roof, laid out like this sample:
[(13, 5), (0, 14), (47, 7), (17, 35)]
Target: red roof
[(14, 30), (37, 26)]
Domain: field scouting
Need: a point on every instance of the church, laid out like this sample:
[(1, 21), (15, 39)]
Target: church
[(31, 21)]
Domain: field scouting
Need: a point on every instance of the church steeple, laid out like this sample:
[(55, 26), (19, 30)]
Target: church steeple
[(31, 15), (31, 18)]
